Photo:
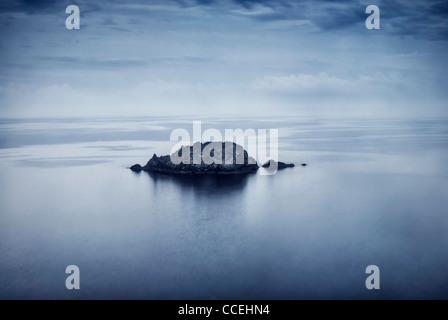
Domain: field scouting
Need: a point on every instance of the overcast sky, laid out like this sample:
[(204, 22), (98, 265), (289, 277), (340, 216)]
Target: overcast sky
[(260, 57)]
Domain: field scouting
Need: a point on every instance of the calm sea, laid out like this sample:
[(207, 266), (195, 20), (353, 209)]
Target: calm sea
[(375, 192)]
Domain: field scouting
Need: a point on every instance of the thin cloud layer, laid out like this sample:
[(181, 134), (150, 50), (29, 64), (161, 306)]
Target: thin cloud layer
[(412, 18)]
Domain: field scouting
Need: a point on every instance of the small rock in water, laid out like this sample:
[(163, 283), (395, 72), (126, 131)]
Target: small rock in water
[(136, 168), (279, 165)]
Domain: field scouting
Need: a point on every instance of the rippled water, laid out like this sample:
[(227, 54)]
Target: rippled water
[(374, 193)]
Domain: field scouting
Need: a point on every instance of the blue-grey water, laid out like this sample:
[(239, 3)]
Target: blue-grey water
[(375, 192)]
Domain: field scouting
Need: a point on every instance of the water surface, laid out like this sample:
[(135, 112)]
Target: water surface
[(374, 192)]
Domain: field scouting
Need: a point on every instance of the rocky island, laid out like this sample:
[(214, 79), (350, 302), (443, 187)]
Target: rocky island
[(218, 161), (280, 165)]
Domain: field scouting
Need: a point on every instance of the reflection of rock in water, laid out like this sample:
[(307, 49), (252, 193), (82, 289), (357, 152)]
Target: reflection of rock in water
[(209, 184)]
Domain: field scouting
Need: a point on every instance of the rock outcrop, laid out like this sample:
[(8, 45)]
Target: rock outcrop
[(203, 158), (280, 165), (207, 158)]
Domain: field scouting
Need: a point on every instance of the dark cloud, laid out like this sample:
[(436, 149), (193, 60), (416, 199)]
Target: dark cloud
[(336, 18), (425, 19), (31, 6), (48, 6), (249, 4), (421, 19), (37, 3)]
